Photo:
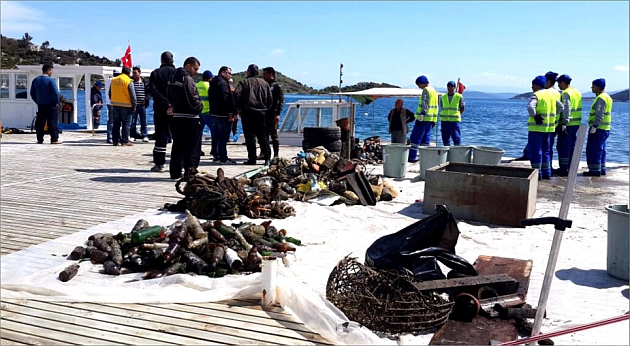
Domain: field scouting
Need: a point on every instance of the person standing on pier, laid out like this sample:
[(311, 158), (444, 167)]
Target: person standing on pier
[(599, 120), (140, 87), (186, 125), (123, 97), (158, 81), (543, 108), (273, 115), (110, 112), (569, 123), (452, 106), (45, 93), (253, 101), (203, 86), (398, 119), (222, 111), (426, 117), (96, 102), (549, 85)]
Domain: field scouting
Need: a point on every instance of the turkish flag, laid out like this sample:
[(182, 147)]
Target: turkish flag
[(126, 60), (460, 87)]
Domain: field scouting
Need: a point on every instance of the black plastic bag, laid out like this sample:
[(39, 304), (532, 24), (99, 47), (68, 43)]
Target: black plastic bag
[(417, 247)]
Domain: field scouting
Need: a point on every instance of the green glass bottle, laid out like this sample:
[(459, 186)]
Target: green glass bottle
[(140, 236), (293, 240)]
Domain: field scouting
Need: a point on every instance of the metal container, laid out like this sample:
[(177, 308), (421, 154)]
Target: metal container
[(617, 252)]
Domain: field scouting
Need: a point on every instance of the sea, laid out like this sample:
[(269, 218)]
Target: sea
[(493, 122)]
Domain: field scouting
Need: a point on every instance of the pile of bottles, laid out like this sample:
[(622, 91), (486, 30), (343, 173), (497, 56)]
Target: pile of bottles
[(210, 248)]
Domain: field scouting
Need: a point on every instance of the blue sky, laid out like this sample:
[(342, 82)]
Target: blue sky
[(491, 46)]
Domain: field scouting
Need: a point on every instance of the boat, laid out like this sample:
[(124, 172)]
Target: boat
[(18, 110)]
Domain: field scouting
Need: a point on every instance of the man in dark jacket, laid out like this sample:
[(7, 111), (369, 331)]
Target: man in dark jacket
[(185, 125), (222, 112), (273, 116), (158, 82), (45, 93), (253, 101), (96, 102)]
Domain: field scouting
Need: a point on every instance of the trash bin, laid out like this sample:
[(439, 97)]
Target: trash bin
[(395, 160), (617, 251), (431, 157), (488, 155), (460, 153)]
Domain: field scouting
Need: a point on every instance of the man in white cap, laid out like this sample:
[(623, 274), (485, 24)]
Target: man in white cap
[(599, 120)]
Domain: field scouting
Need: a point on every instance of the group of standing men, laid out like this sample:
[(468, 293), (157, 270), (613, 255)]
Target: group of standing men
[(183, 107), (553, 114), (450, 106)]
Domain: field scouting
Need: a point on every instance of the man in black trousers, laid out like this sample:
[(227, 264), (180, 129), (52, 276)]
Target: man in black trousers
[(186, 123), (253, 101), (158, 83)]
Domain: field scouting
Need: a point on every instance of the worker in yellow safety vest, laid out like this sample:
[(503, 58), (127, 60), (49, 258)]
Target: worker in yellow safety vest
[(426, 117), (451, 107), (568, 124), (203, 86), (123, 96), (599, 120), (543, 107)]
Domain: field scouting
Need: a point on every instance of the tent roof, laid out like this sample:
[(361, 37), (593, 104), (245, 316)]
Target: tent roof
[(384, 92)]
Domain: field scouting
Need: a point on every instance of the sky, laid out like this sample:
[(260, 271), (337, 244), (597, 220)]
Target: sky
[(491, 46)]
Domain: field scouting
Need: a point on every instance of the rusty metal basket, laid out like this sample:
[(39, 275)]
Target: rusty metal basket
[(384, 301)]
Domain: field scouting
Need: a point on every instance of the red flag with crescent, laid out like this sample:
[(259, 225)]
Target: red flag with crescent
[(126, 60)]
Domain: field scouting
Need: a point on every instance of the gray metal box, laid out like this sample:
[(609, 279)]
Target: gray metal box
[(492, 194)]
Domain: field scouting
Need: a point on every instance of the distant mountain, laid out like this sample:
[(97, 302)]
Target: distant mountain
[(616, 96), (484, 95)]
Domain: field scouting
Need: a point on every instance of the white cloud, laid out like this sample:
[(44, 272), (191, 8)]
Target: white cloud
[(622, 68), (304, 73), (17, 18), (277, 52)]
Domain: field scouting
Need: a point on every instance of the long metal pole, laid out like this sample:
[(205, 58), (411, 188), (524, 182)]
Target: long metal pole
[(557, 237)]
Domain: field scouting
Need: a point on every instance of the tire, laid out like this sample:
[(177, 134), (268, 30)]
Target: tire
[(322, 134), (334, 146)]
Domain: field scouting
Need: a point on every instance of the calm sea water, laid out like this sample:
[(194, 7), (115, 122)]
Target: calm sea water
[(490, 122)]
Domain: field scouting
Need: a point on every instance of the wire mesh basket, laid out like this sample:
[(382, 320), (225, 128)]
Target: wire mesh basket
[(384, 301)]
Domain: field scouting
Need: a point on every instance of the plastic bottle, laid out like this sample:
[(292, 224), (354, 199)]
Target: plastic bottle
[(140, 236)]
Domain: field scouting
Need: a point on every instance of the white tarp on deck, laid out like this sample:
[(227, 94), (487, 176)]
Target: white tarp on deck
[(582, 292)]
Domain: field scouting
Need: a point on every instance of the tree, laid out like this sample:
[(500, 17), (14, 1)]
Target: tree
[(45, 45), (26, 40)]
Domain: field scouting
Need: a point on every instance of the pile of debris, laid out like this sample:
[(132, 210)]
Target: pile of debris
[(219, 198), (210, 248), (318, 172), (372, 150)]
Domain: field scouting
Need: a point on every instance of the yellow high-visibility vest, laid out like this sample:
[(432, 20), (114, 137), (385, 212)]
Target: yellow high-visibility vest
[(546, 107), (605, 124), (450, 110), (120, 91)]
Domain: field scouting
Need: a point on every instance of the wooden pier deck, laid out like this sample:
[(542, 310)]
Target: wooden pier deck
[(48, 191)]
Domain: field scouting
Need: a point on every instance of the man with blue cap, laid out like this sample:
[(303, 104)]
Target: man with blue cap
[(568, 124), (599, 120), (96, 102), (543, 108), (202, 88), (549, 85), (452, 106), (426, 117)]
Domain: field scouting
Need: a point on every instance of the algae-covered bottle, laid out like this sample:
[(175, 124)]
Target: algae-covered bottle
[(140, 236)]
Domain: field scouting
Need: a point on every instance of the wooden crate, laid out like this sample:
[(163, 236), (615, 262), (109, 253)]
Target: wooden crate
[(492, 194)]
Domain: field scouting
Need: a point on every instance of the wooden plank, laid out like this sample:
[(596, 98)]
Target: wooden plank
[(478, 332), (40, 328), (10, 342), (78, 325), (214, 324), (22, 338), (143, 323)]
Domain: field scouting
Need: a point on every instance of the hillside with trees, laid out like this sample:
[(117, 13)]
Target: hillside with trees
[(24, 52)]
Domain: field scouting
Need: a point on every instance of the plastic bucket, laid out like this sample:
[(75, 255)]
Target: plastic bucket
[(460, 153), (395, 160), (431, 157), (488, 155), (618, 229)]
